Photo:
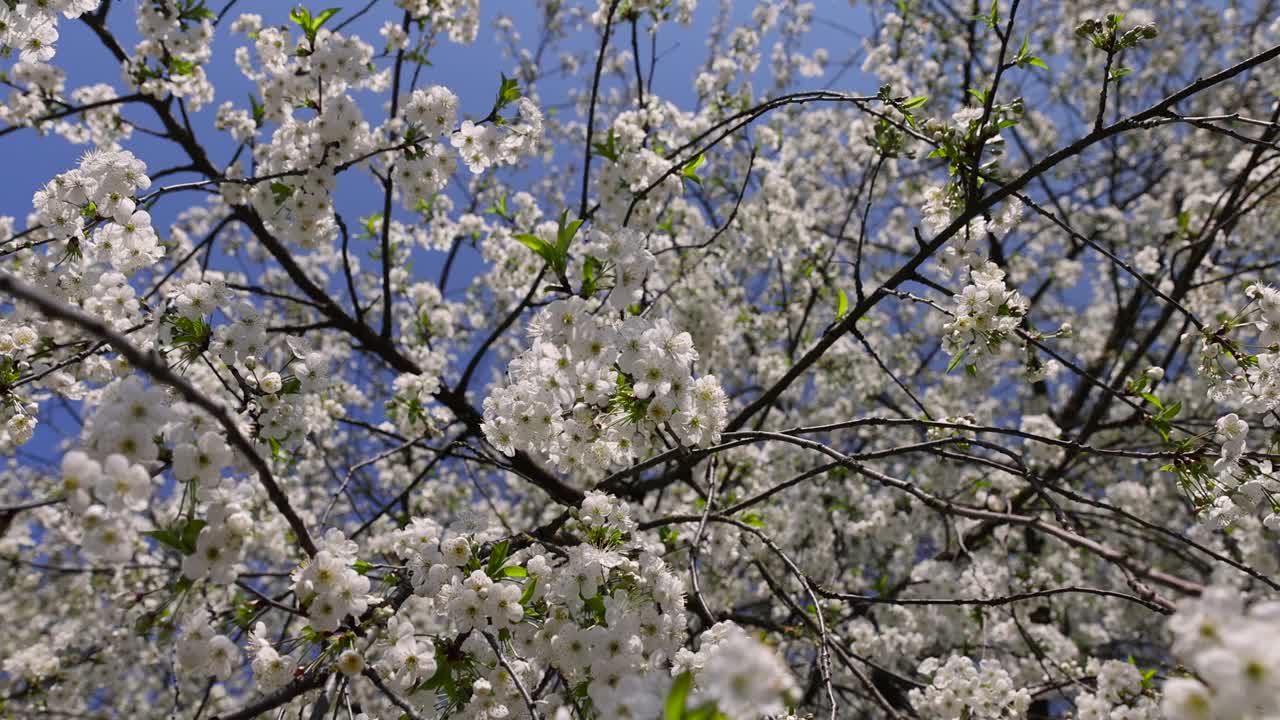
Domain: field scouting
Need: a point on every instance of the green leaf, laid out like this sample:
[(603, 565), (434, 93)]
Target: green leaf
[(191, 533), (539, 246), (323, 17), (679, 695), (689, 171), (915, 102), (301, 17), (591, 268), (955, 361), (281, 191), (668, 225), (500, 208), (1118, 73), (166, 537), (275, 448), (668, 536), (181, 67), (529, 589), (361, 567), (565, 233), (194, 10), (508, 92), (496, 558), (842, 304), (181, 537), (596, 606), (514, 571), (1037, 62), (609, 148), (443, 681), (259, 111), (309, 24)]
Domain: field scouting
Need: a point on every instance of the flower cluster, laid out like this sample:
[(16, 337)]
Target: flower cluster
[(329, 585), (744, 678), (407, 659), (986, 313), (171, 56), (592, 393), (1121, 693), (220, 545), (102, 187), (32, 27), (623, 254), (1237, 484), (106, 496), (959, 688), (129, 420), (201, 651), (607, 615), (483, 145), (271, 670), (632, 172), (1230, 650)]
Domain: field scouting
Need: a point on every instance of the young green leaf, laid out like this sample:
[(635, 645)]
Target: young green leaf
[(591, 269), (508, 92), (496, 558), (539, 246), (608, 148), (689, 171), (529, 589), (679, 695), (281, 191), (565, 233)]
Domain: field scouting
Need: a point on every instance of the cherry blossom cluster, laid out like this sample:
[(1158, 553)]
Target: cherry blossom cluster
[(607, 616), (741, 676), (592, 393), (961, 688), (201, 651), (221, 543), (485, 145), (328, 584), (986, 315), (623, 255), (634, 171), (103, 188), (170, 58), (31, 28), (1237, 485), (107, 497), (1234, 667), (271, 670), (460, 18)]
